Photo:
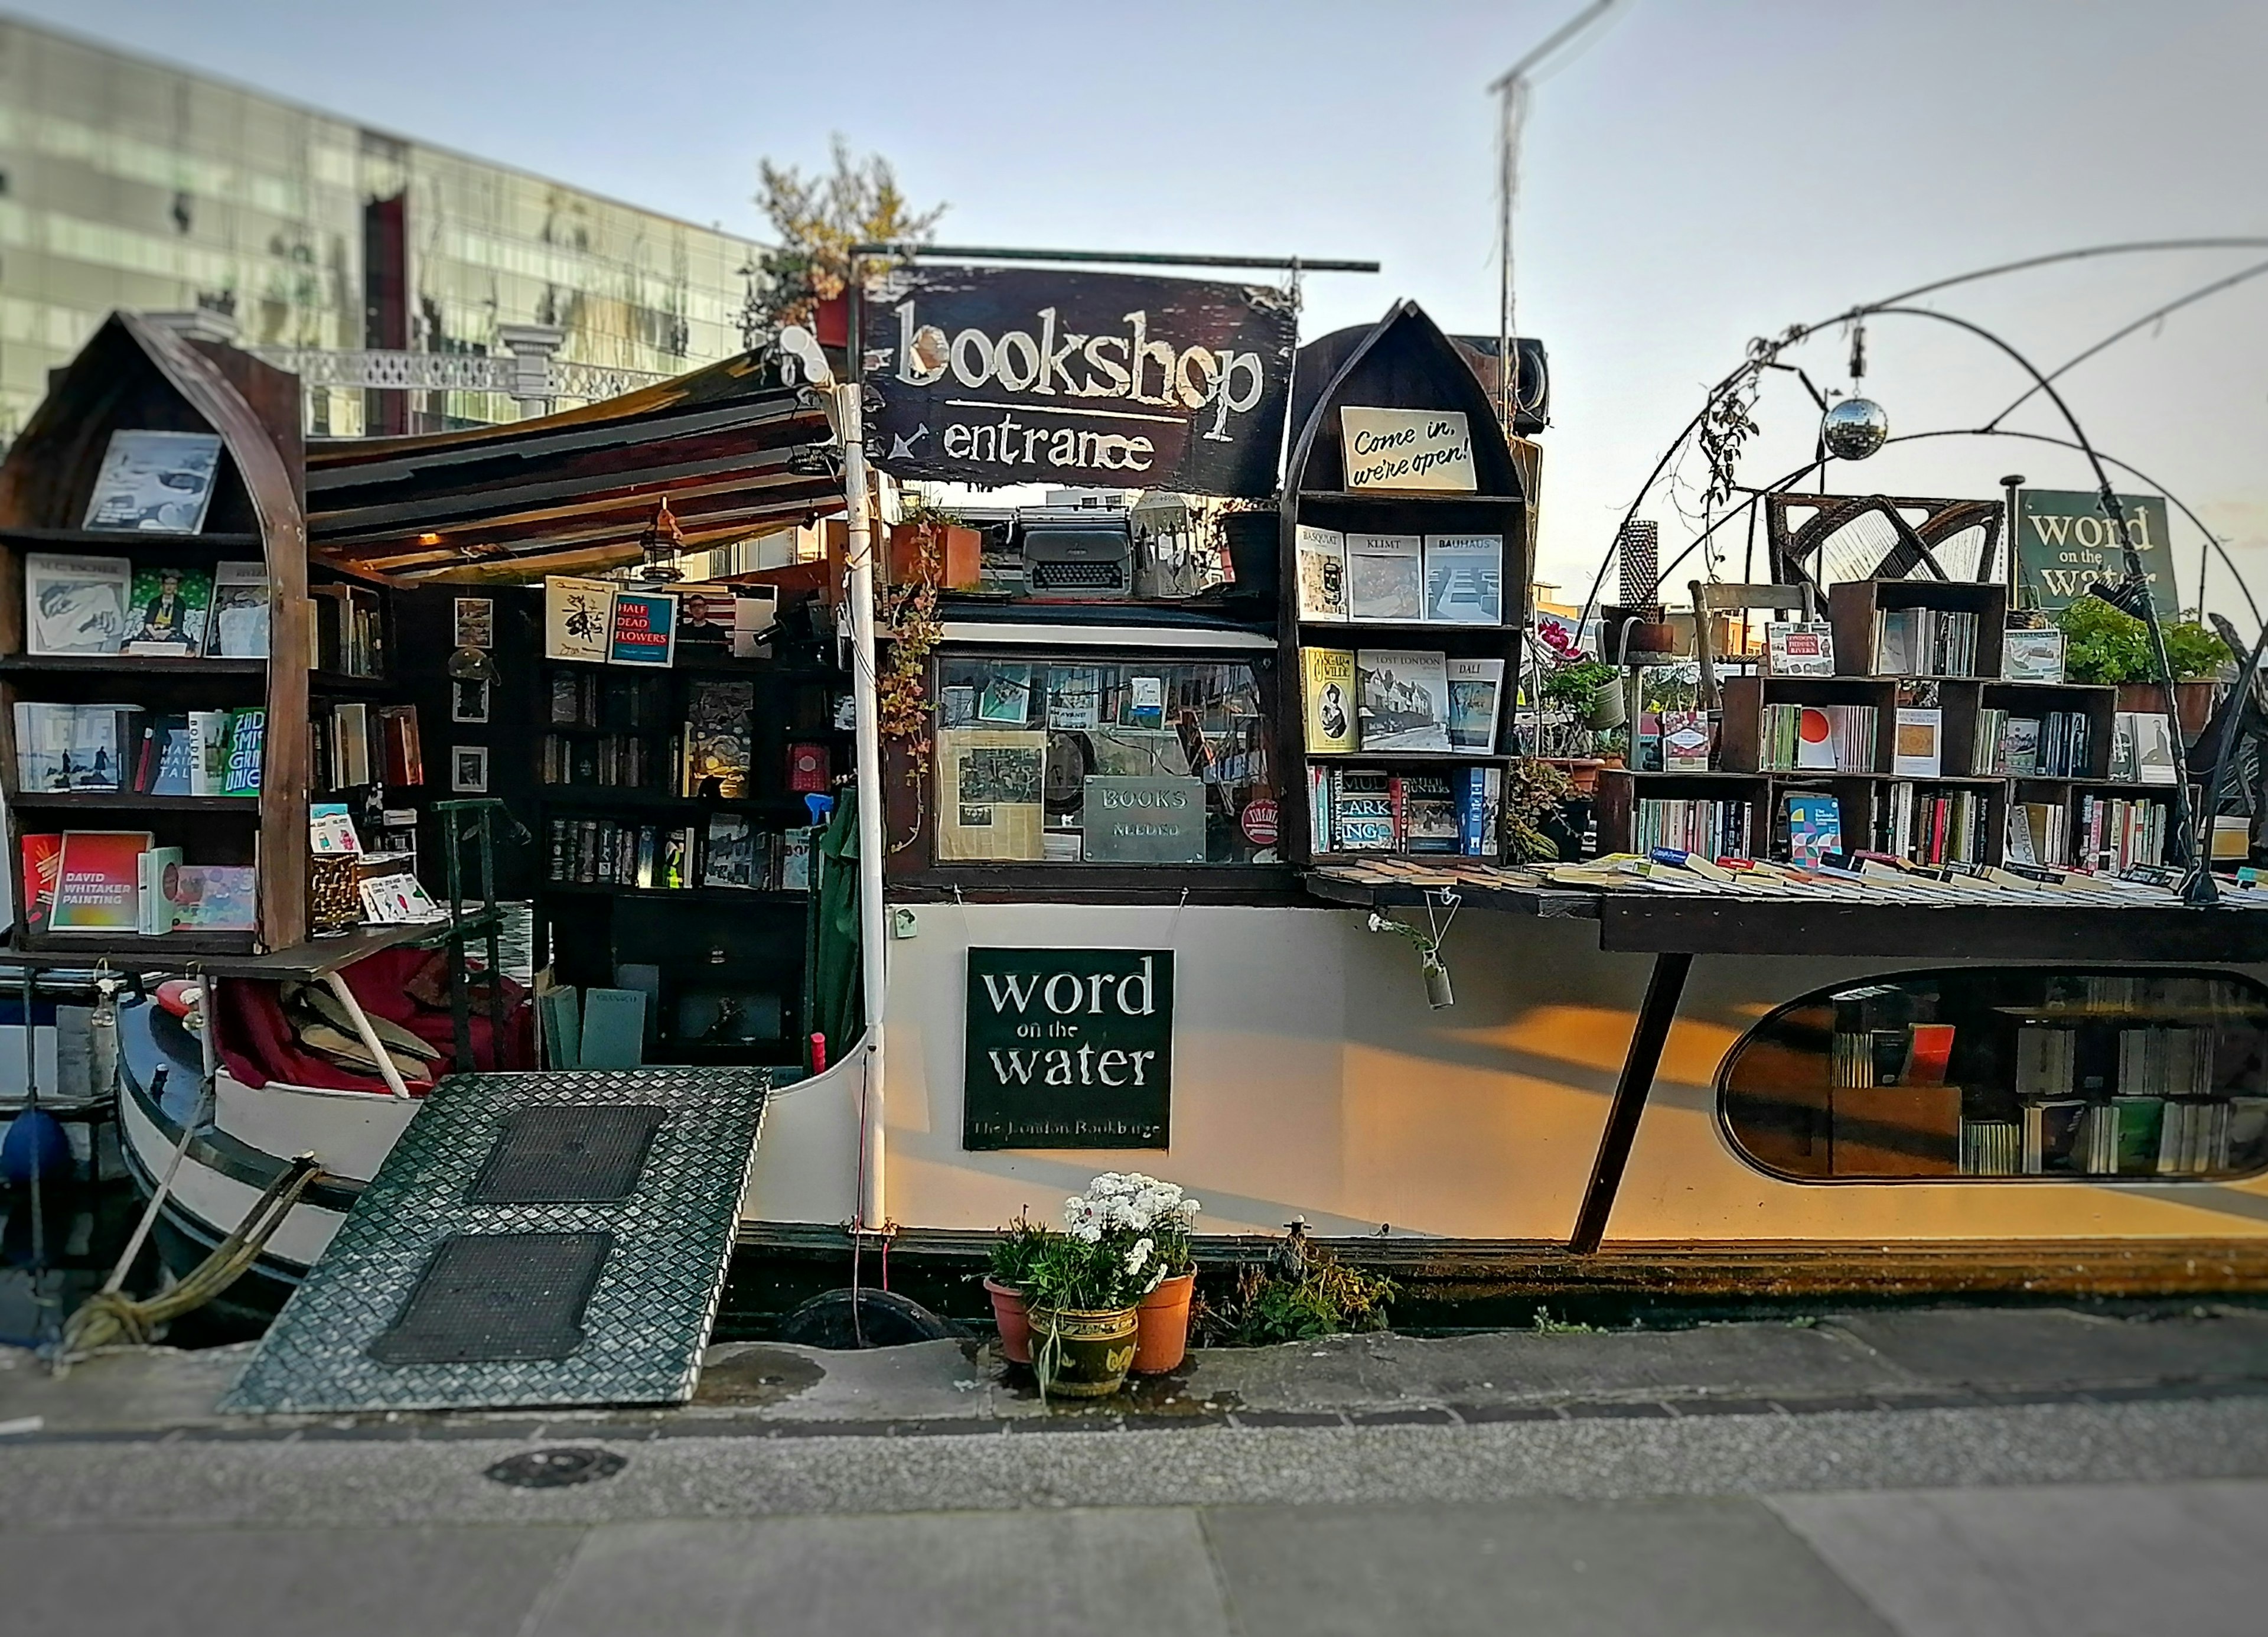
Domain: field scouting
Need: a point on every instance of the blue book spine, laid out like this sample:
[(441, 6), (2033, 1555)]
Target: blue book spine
[(1472, 812)]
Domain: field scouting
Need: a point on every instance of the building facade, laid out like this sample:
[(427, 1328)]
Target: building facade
[(127, 183)]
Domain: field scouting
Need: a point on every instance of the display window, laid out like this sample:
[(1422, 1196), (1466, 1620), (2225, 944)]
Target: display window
[(1980, 1072), (1101, 761)]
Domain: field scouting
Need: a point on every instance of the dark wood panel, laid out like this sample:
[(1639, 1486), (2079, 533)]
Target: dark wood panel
[(1710, 925)]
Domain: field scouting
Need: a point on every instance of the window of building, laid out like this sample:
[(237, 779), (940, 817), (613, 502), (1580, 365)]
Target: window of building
[(1060, 759), (1984, 1073)]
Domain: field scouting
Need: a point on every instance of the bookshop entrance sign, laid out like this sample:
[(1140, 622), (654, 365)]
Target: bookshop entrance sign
[(1068, 1049)]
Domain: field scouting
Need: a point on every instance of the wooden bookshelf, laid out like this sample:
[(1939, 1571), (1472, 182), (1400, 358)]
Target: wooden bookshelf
[(132, 376), (1404, 362)]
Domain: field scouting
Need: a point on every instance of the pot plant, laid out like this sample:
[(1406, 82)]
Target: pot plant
[(1087, 1284), (2102, 643), (1590, 690), (1014, 1254)]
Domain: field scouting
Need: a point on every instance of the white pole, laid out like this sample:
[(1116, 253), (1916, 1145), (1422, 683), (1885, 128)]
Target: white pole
[(873, 1197)]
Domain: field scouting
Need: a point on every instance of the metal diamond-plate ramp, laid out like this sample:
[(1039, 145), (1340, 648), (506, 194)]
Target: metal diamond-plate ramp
[(650, 1313)]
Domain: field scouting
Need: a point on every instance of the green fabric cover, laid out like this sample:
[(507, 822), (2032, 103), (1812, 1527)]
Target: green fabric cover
[(836, 1010)]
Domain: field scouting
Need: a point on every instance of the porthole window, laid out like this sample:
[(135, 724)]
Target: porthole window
[(1979, 1073)]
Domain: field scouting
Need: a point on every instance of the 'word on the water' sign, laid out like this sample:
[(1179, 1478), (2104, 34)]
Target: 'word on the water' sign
[(1408, 449), (1068, 1049)]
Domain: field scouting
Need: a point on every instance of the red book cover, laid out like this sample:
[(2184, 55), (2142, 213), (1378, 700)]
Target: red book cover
[(1929, 1054), (97, 885), (808, 769), (43, 857)]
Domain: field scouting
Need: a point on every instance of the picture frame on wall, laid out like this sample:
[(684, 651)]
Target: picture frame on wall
[(468, 700), (468, 769)]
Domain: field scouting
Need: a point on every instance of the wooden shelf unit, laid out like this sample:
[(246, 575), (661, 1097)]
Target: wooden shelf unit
[(132, 376), (1404, 362)]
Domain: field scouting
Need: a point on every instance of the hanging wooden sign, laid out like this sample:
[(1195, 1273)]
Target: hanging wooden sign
[(1068, 1049), (1018, 375)]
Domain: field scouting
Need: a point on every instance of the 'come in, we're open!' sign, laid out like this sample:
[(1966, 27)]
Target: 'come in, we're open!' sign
[(1068, 1049), (1407, 449)]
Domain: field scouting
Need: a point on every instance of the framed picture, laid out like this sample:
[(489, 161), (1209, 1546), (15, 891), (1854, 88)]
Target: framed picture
[(468, 769), (475, 623), (468, 700)]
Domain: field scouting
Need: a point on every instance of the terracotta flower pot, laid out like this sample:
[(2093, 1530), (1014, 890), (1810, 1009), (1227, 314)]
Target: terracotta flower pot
[(2194, 702), (1082, 1354), (1162, 1334), (1014, 1319)]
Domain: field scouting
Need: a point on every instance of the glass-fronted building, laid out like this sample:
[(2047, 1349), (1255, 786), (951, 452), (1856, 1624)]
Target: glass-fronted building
[(126, 183)]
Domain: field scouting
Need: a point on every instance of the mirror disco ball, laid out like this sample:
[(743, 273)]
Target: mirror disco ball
[(1854, 429)]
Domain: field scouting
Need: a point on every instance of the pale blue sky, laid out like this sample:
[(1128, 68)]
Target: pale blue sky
[(1704, 171)]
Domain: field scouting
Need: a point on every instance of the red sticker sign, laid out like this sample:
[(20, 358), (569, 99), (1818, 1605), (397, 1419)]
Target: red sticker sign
[(1259, 821)]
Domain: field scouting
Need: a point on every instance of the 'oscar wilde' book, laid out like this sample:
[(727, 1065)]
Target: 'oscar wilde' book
[(1327, 677)]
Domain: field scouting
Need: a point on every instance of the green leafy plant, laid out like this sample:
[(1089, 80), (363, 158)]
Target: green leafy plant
[(2102, 644), (2196, 650), (1018, 1250), (1573, 685), (1534, 791), (1546, 1325), (1265, 1307)]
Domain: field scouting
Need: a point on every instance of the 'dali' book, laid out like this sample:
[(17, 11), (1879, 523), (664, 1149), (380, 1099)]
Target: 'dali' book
[(1476, 703)]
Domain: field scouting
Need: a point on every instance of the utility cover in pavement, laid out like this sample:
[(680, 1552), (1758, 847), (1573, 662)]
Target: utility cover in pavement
[(651, 1300), (581, 1153), (485, 1298)]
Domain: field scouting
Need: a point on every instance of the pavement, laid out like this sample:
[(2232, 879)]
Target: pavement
[(1922, 1472)]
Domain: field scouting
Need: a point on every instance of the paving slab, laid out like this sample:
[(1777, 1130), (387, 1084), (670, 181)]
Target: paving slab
[(2061, 1562), (1569, 1568), (2050, 1347), (342, 1583), (120, 1389), (963, 1574)]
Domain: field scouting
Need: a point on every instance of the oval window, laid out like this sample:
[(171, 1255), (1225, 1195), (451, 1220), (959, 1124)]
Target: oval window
[(2032, 1073)]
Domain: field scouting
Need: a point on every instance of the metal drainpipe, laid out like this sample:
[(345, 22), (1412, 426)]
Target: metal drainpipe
[(873, 1208)]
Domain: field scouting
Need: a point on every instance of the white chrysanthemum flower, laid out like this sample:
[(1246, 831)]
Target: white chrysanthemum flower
[(1138, 1255), (1157, 1278), (1088, 1232), (1190, 1207)]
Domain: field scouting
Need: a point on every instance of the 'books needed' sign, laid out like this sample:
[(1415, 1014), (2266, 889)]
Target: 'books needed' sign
[(1068, 1049), (1012, 375)]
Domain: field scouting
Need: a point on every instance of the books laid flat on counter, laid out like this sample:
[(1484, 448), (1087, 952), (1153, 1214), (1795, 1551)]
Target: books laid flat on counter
[(1464, 579), (1798, 648), (1385, 577), (1476, 703), (1403, 699), (154, 482), (1322, 565), (2032, 656)]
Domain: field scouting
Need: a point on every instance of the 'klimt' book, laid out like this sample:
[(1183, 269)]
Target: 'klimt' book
[(1476, 703), (1327, 678), (1404, 699), (1322, 572), (1464, 579), (1385, 577)]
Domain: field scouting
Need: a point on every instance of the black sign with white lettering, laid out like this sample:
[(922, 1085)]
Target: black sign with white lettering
[(1068, 1049), (1009, 375)]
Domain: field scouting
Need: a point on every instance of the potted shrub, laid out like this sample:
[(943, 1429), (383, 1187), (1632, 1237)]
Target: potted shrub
[(1164, 1213), (2200, 658), (1014, 1255), (1124, 1247), (2103, 645), (1590, 690)]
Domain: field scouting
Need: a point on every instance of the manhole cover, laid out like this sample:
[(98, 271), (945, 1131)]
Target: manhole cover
[(556, 1468)]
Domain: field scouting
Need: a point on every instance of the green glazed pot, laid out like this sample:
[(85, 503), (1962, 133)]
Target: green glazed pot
[(1082, 1354)]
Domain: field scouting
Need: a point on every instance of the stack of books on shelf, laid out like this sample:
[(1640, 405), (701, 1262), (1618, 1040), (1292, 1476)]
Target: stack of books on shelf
[(1825, 738), (1988, 744), (2054, 746), (121, 882), (1924, 642), (2116, 834), (1992, 1148), (2168, 1062), (727, 852), (1444, 580), (1933, 826), (1456, 811), (95, 606), (2039, 833), (2142, 748), (614, 761), (346, 630), (1715, 829), (1399, 700)]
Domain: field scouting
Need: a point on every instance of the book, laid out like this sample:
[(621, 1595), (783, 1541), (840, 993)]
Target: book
[(75, 605), (643, 627), (404, 755), (208, 752), (1403, 697), (247, 733), (351, 761), (1464, 579), (1684, 741), (1798, 648), (331, 831), (236, 629), (797, 848), (2153, 748), (44, 744), (2032, 656), (155, 909), (1142, 705), (1006, 699), (159, 482), (1426, 813), (730, 857), (1074, 698), (578, 618), (1327, 681), (42, 860), (719, 739), (2020, 745), (166, 616), (1480, 810), (809, 768), (1476, 703), (1323, 563), (1823, 738), (168, 756), (1362, 811), (106, 740), (1916, 754), (397, 901), (1814, 826), (1929, 1051), (98, 884), (1385, 577)]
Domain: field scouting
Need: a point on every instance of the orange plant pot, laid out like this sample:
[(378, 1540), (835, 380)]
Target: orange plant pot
[(1013, 1316), (1162, 1337)]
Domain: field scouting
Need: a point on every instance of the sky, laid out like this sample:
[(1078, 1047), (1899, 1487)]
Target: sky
[(1696, 173)]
